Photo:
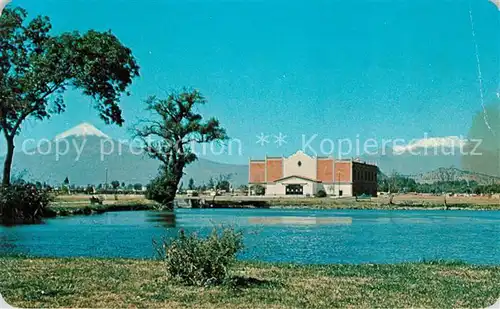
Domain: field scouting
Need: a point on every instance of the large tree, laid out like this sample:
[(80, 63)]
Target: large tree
[(36, 68), (170, 138)]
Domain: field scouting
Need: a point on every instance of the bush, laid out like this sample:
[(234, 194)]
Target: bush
[(321, 193), (161, 190), (259, 190), (193, 260), (22, 202)]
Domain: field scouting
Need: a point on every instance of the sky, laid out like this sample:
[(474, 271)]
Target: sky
[(324, 69)]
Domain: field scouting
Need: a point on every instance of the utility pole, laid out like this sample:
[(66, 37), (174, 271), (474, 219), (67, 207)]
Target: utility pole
[(338, 182), (106, 182)]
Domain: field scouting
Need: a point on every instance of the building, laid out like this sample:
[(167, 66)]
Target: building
[(301, 174)]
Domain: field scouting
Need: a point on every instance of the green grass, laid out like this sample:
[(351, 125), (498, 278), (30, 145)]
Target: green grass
[(400, 202), (85, 208), (327, 203), (96, 283)]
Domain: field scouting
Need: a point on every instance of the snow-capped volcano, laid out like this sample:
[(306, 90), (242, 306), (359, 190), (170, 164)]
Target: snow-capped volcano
[(83, 129), (433, 142)]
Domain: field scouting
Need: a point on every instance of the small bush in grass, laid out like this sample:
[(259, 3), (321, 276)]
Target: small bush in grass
[(321, 193), (22, 203), (194, 260)]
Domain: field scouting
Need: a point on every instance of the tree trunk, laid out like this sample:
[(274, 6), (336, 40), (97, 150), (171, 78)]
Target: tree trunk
[(8, 161), (168, 204)]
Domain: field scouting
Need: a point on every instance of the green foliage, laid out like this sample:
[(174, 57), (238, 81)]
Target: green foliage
[(89, 189), (321, 193), (22, 202), (211, 183), (398, 183), (193, 260), (64, 190), (223, 183), (36, 68), (259, 190), (161, 190), (30, 282), (174, 134), (115, 184), (191, 185)]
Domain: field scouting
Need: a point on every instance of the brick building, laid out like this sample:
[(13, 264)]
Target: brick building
[(301, 174)]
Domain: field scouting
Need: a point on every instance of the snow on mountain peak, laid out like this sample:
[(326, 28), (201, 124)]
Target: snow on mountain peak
[(83, 129), (433, 142)]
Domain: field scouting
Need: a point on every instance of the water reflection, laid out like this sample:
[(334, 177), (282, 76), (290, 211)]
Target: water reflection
[(162, 218), (6, 245), (298, 236), (8, 223), (288, 220)]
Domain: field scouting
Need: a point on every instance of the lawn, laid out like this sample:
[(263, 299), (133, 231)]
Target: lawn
[(98, 283), (79, 204)]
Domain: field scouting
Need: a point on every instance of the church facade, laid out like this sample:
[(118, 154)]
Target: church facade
[(304, 175)]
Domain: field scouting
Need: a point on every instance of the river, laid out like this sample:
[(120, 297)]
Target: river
[(300, 236)]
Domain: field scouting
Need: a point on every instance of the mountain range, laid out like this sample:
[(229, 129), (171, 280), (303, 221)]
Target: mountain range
[(454, 174), (83, 162)]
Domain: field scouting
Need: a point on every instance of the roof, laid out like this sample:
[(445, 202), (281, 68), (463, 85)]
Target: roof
[(296, 176)]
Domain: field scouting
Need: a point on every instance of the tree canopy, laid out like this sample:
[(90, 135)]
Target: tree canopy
[(169, 138), (36, 68)]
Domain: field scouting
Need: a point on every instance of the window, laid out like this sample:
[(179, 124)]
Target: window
[(299, 164)]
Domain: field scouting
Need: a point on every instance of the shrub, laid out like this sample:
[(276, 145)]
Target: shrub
[(193, 260), (22, 202), (259, 190), (321, 193), (162, 189)]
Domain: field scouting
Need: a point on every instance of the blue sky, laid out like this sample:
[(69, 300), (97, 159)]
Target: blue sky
[(339, 69)]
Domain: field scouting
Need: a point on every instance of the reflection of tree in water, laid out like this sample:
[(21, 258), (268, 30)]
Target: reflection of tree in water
[(164, 218), (488, 162), (7, 246)]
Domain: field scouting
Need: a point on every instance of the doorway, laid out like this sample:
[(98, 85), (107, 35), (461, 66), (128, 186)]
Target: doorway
[(294, 190)]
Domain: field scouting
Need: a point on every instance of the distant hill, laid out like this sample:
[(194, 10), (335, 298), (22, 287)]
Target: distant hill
[(124, 165), (454, 174), (407, 164)]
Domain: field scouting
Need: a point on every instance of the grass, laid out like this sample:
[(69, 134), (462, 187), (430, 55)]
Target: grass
[(405, 201), (109, 198), (79, 204), (110, 283), (87, 209)]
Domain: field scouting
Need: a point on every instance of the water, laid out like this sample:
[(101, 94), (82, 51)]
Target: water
[(301, 236)]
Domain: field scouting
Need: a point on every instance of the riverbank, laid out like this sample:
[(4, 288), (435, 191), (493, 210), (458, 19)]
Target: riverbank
[(68, 205), (61, 209), (110, 283), (378, 203)]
